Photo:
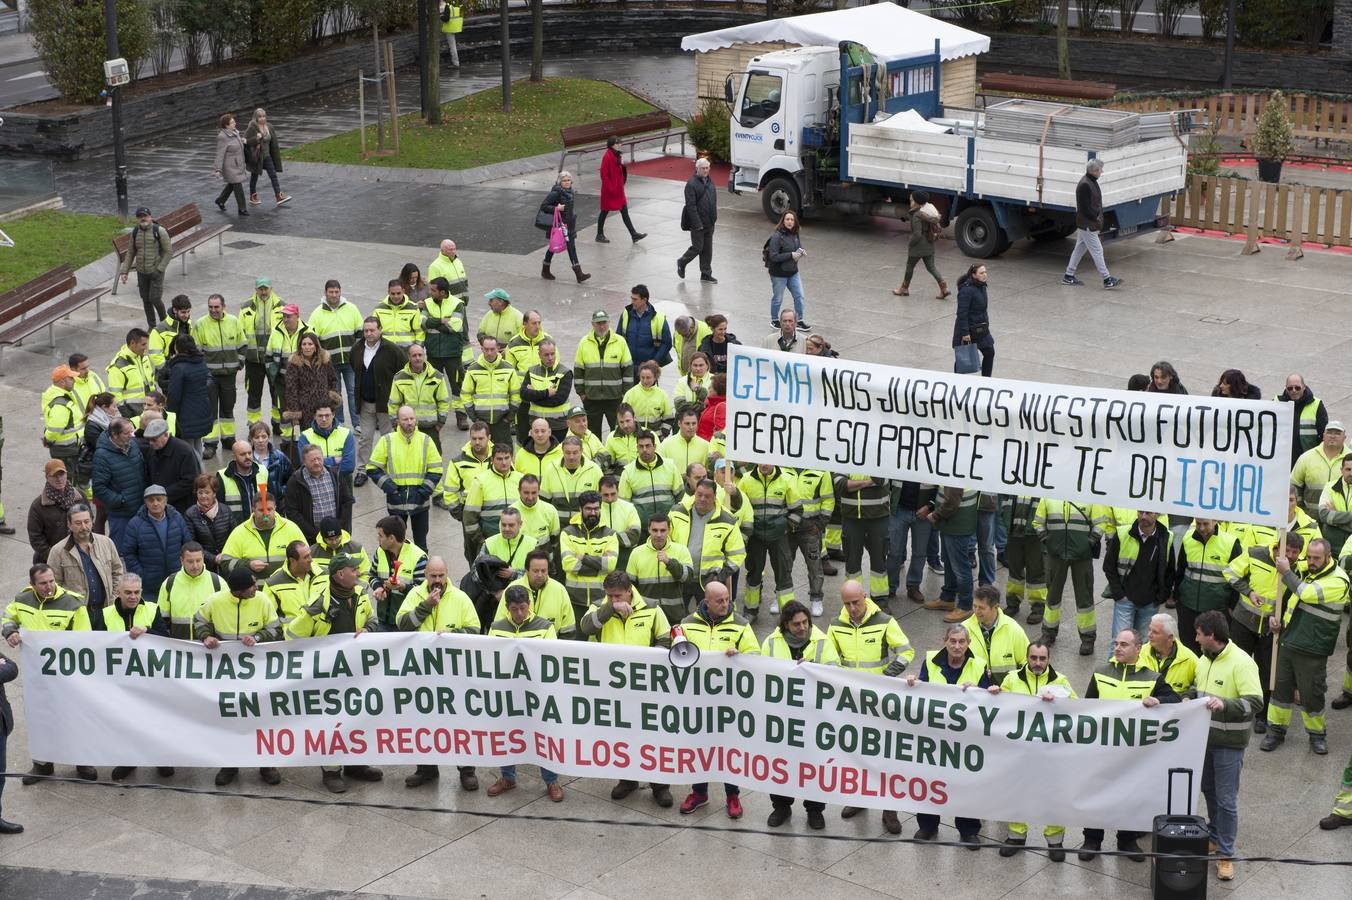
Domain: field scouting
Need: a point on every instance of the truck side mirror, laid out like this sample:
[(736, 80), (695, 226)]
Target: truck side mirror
[(727, 90)]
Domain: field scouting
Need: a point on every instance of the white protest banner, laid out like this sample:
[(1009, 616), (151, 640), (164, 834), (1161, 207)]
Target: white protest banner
[(1211, 457), (604, 711)]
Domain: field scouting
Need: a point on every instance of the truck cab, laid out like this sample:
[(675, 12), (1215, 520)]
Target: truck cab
[(780, 109)]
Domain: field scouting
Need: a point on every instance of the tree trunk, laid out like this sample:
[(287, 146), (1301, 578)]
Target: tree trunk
[(431, 71), (505, 38), (1063, 39), (537, 40)]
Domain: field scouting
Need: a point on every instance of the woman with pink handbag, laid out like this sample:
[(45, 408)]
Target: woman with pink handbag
[(557, 211)]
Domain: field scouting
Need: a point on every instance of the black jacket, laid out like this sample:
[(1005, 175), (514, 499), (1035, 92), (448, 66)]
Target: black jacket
[(298, 506), (782, 246), (1088, 204), (9, 670), (718, 353), (389, 359), (972, 311), (211, 533), (174, 467), (190, 397), (565, 196), (1150, 579), (701, 204), (1321, 418)]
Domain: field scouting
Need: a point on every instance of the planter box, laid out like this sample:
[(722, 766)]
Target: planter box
[(567, 33)]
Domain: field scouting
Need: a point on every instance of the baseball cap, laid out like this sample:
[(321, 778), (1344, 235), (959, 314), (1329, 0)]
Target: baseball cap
[(343, 561), (143, 210), (1335, 425), (498, 294), (153, 430), (600, 316), (53, 466), (239, 579), (291, 309), (576, 411), (330, 527), (155, 490), (262, 282), (62, 372)]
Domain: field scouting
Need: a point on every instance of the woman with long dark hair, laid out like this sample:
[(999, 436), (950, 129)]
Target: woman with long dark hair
[(1232, 383), (783, 251), (972, 324), (415, 286), (1164, 379), (715, 344)]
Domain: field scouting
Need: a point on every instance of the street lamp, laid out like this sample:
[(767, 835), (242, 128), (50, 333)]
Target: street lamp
[(115, 74)]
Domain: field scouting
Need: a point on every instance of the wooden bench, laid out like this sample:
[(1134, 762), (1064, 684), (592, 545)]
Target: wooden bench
[(39, 303), (186, 234), (633, 130)]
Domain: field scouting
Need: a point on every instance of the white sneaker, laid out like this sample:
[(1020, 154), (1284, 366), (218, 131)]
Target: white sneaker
[(774, 607), (816, 608)]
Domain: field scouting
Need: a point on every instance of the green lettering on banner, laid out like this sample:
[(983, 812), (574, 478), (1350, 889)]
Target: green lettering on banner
[(779, 730)]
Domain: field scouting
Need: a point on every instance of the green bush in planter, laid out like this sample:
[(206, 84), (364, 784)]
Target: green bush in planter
[(709, 130), (70, 40), (1273, 138)]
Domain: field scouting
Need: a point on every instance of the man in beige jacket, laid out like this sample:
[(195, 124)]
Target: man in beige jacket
[(86, 563)]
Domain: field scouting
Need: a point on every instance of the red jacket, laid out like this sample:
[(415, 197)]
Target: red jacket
[(612, 181), (714, 418)]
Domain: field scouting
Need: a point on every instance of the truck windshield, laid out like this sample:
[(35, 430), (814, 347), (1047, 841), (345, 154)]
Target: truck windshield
[(760, 101)]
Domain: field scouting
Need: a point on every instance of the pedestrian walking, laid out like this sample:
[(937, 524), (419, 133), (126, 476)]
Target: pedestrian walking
[(614, 174), (1088, 224), (560, 200), (230, 167), (783, 250), (925, 229), (972, 324), (452, 23), (698, 217), (263, 155), (150, 251)]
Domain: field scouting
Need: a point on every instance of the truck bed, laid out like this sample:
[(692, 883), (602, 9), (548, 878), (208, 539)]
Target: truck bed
[(1008, 170)]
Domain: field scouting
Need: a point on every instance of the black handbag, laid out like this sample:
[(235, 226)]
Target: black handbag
[(544, 219)]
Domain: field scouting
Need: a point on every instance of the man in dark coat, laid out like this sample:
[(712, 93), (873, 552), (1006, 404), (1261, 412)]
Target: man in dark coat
[(375, 362), (8, 672), (698, 217), (172, 462), (119, 475), (302, 502), (152, 543), (1088, 224)]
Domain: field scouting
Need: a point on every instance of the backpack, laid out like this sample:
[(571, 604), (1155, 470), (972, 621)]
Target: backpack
[(932, 230), (765, 252), (446, 12), (155, 229)]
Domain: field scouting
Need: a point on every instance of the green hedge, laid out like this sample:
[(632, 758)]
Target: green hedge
[(70, 39)]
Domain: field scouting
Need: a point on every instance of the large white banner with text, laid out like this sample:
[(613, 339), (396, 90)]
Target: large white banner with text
[(1209, 457), (605, 711)]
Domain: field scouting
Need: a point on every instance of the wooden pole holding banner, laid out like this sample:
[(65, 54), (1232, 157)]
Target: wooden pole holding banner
[(1257, 203), (1277, 610)]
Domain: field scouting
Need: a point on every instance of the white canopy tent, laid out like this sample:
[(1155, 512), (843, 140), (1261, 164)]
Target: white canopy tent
[(887, 30)]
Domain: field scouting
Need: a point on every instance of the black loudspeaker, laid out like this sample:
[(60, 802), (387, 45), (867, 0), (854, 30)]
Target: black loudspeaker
[(1185, 835)]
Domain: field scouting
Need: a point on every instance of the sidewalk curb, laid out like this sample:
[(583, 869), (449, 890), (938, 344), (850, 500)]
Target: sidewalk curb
[(452, 177)]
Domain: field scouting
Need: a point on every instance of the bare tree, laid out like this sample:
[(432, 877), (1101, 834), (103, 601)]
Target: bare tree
[(1063, 39), (537, 40)]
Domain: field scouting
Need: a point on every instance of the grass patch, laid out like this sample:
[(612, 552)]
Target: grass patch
[(476, 132), (47, 239)]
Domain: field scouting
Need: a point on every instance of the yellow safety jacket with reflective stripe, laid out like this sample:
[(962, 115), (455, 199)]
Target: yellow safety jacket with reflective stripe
[(409, 558), (257, 322), (523, 351), (540, 521), (87, 387), (408, 461), (1306, 422), (1069, 530), (63, 611), (61, 420), (1253, 571), (460, 474), (453, 270), (537, 627), (1335, 512), (1312, 473), (622, 518), (1116, 681), (1008, 648), (291, 594), (702, 330), (723, 551), (490, 391), (562, 486), (819, 649), (815, 495), (228, 618), (222, 343), (774, 503), (312, 620), (1315, 612), (651, 405), (321, 555), (162, 339), (337, 329), (870, 502), (646, 626), (529, 461), (402, 324), (681, 453), (1263, 535), (1201, 583), (444, 326), (512, 552), (182, 595), (246, 543), (453, 613), (588, 557), (663, 583), (1022, 681), (873, 644), (536, 378), (489, 494), (731, 631), (1180, 670), (425, 391), (142, 617), (1233, 677), (652, 486), (602, 372), (129, 378), (549, 602), (503, 325), (972, 669), (282, 344), (453, 24)]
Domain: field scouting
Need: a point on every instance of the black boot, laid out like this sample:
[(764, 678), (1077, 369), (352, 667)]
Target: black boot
[(544, 272), (581, 275)]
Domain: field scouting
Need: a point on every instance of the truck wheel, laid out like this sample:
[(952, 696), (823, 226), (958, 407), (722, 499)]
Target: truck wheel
[(978, 234), (780, 195)]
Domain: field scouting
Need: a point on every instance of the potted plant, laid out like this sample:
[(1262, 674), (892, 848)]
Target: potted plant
[(1272, 142)]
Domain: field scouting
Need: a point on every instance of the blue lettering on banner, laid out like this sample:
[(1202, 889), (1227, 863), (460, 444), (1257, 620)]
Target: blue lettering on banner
[(1222, 487), (770, 381)]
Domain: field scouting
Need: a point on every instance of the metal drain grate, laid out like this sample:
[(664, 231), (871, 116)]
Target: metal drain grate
[(243, 245)]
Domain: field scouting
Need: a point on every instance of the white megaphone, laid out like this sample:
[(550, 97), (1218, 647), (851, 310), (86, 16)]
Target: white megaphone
[(683, 653)]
